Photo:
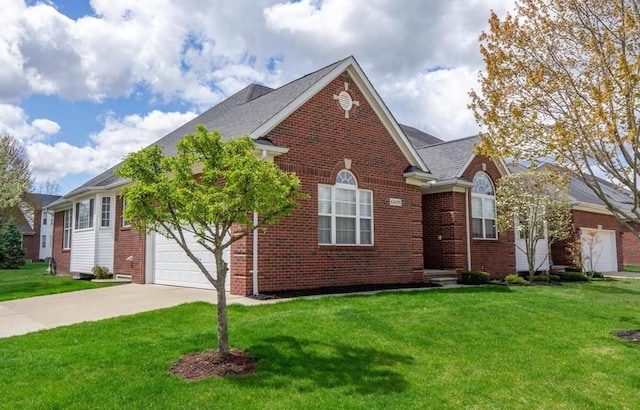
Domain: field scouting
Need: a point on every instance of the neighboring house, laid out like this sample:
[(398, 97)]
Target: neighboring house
[(35, 222), (387, 201), (613, 245)]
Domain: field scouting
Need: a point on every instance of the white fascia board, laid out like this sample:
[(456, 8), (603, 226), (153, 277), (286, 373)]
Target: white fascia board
[(593, 208), (454, 185), (418, 178)]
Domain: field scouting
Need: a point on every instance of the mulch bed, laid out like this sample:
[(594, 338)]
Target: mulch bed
[(631, 335), (209, 363), (329, 290)]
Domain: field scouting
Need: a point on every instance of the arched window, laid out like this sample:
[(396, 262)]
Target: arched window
[(345, 213), (483, 205)]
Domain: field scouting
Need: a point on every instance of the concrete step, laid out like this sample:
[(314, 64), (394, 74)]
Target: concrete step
[(441, 276), (444, 281)]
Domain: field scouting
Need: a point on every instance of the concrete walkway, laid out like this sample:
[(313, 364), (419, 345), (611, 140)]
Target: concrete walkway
[(22, 316)]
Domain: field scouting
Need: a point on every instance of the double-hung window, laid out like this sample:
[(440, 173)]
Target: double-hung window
[(125, 222), (345, 213), (66, 233), (483, 207), (84, 214), (105, 216)]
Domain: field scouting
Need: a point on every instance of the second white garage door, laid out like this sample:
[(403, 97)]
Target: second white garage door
[(600, 246), (173, 267)]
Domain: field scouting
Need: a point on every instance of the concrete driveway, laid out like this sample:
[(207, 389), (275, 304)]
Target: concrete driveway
[(22, 316)]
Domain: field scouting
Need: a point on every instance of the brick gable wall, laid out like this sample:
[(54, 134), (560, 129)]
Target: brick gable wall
[(320, 138)]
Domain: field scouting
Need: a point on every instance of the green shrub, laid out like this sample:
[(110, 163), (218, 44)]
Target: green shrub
[(515, 279), (544, 277), (101, 272), (597, 275), (572, 269), (574, 277), (474, 277), (11, 250)]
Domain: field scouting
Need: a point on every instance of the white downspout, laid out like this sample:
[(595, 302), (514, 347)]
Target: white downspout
[(255, 242), (255, 254), (466, 205)]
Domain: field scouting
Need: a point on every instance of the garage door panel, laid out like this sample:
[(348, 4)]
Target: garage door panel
[(599, 250), (173, 267)]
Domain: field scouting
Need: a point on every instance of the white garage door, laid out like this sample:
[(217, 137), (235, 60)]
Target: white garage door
[(173, 267), (599, 250)]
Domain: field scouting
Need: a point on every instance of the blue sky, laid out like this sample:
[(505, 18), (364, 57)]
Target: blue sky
[(85, 82)]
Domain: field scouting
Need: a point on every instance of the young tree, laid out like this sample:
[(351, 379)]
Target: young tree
[(209, 189), (15, 175), (534, 202), (562, 81), (11, 251)]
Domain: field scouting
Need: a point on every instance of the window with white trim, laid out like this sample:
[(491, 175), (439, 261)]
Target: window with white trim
[(44, 218), (66, 232), (44, 241), (483, 207), (125, 223), (345, 213), (105, 217), (84, 214)]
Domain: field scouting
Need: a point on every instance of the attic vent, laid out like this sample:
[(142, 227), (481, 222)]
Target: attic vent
[(345, 100)]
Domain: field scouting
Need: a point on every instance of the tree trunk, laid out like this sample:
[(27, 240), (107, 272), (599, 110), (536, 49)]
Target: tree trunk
[(223, 332)]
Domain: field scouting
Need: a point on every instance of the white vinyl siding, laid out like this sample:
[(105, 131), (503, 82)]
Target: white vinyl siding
[(345, 213), (83, 251)]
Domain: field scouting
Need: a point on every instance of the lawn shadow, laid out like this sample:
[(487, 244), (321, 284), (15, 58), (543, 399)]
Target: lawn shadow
[(610, 290), (476, 289), (307, 365)]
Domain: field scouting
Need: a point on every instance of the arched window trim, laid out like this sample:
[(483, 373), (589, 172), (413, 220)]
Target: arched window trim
[(345, 212), (483, 205)]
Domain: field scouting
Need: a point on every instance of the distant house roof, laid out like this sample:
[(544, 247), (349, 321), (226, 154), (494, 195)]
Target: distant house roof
[(252, 110), (40, 201), (447, 159)]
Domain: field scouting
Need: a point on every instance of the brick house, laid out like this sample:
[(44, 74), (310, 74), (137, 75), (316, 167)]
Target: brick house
[(35, 222), (386, 200)]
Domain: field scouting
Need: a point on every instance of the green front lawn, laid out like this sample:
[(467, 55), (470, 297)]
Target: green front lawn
[(33, 280), (632, 268), (481, 347)]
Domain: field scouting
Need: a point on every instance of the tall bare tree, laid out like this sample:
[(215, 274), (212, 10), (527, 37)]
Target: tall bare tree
[(15, 175), (562, 82)]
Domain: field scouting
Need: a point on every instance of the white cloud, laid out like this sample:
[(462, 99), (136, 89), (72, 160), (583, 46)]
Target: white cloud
[(105, 148), (15, 122)]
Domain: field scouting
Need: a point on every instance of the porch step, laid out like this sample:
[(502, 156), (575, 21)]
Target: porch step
[(441, 276), (117, 279)]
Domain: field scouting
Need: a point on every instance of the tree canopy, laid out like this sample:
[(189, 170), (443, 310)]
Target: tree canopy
[(15, 175), (210, 190), (562, 82), (536, 204)]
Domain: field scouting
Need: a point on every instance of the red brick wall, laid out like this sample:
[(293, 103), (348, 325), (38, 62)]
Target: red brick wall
[(31, 243), (61, 256), (631, 247), (497, 257), (319, 138), (128, 243), (444, 231), (582, 219)]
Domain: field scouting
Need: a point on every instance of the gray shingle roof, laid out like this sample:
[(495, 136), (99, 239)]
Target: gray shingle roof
[(446, 159), (240, 114), (40, 200), (418, 137)]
